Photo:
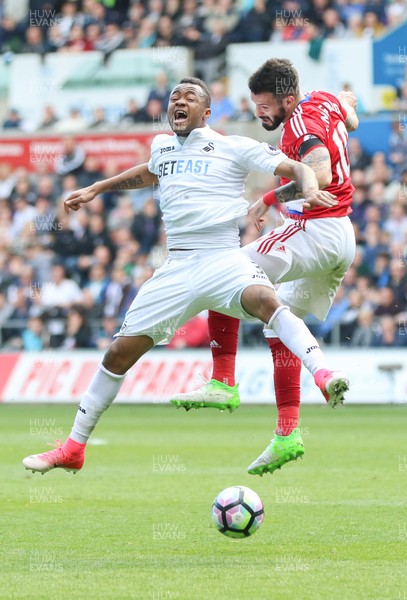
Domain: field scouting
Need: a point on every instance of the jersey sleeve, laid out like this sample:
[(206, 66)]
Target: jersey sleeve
[(158, 141), (256, 156), (302, 126), (152, 166)]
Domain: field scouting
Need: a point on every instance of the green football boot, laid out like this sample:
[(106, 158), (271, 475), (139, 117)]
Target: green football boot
[(213, 394), (282, 449)]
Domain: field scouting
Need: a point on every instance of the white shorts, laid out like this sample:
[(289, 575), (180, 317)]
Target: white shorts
[(309, 259), (191, 281)]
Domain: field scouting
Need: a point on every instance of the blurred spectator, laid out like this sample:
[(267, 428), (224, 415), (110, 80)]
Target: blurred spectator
[(60, 291), (7, 180), (68, 18), (13, 120), (396, 11), (33, 336), (398, 281), (222, 108), (316, 10), (146, 35), (78, 332), (378, 169), (23, 189), (129, 35), (104, 336), (349, 319), (97, 283), (332, 26), (166, 35), (117, 293), (146, 225), (99, 120), (244, 112), (6, 309), (133, 114), (386, 303), (55, 39), (210, 52), (71, 160), (34, 41), (398, 145), (152, 112), (389, 334), (49, 118), (364, 334), (256, 24), (73, 123), (371, 25), (161, 91), (358, 157), (24, 213), (381, 271), (92, 36), (223, 13), (78, 41), (90, 172), (111, 39), (396, 223)]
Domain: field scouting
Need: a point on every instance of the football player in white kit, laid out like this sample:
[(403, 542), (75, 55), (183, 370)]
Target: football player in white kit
[(201, 175)]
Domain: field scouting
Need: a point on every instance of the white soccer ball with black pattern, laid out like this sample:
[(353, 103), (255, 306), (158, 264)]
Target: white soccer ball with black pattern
[(237, 512)]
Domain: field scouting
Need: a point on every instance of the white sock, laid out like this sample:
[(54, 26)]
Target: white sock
[(101, 392), (297, 337)]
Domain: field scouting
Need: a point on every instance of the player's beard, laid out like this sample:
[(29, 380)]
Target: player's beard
[(277, 120)]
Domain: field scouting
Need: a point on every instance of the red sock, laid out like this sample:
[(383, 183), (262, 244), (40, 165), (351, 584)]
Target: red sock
[(287, 371), (223, 333), (73, 448)]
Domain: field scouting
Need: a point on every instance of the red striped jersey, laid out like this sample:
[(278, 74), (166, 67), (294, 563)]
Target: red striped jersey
[(320, 114)]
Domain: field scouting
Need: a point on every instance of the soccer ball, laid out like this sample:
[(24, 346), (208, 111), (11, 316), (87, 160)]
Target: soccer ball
[(237, 512)]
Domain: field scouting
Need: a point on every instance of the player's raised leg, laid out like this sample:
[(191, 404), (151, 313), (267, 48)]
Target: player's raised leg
[(102, 390)]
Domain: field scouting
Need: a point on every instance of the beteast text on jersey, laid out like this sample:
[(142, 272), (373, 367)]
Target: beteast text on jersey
[(172, 167)]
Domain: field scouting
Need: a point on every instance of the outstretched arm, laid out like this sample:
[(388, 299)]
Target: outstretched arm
[(136, 177)]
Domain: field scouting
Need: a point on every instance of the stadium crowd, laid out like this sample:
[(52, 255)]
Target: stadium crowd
[(66, 281), (206, 26)]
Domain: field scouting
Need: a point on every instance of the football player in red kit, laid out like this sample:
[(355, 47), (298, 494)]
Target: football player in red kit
[(308, 255)]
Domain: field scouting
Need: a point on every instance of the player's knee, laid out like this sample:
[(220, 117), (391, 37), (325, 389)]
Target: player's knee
[(115, 359), (260, 301), (269, 303)]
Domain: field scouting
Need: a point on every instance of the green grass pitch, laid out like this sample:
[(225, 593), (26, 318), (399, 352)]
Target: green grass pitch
[(135, 522)]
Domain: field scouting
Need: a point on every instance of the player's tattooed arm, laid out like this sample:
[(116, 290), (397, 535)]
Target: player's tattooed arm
[(320, 162), (287, 192), (137, 177), (348, 101), (130, 183), (304, 184)]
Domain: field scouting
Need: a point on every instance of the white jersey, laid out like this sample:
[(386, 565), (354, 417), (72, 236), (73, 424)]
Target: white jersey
[(202, 184)]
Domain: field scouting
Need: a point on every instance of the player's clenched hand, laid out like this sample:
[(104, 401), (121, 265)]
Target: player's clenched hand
[(348, 97), (79, 197), (256, 212), (319, 198)]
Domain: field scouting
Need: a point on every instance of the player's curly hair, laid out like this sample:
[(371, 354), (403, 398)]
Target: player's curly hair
[(277, 76), (202, 85)]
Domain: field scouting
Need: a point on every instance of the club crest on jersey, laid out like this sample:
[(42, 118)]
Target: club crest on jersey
[(208, 148), (271, 149)]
